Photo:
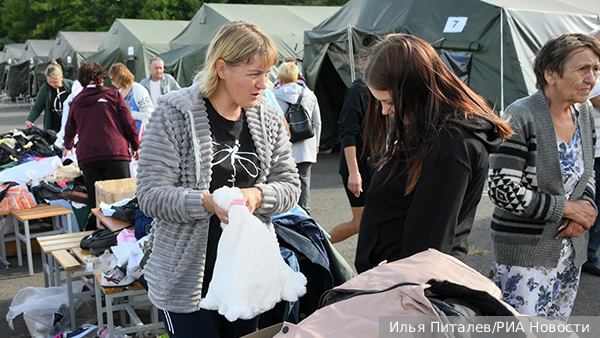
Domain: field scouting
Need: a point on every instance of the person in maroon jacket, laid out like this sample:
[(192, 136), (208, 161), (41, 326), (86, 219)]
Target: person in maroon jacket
[(108, 136)]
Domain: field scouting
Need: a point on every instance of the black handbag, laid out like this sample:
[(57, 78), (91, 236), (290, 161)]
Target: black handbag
[(299, 121), (100, 240)]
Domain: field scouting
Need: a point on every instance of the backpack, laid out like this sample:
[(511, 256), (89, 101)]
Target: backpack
[(299, 121)]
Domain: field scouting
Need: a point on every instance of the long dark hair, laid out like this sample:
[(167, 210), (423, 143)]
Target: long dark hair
[(425, 95)]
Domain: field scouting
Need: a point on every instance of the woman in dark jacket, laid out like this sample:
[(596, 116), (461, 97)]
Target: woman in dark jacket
[(108, 135), (425, 190), (50, 98)]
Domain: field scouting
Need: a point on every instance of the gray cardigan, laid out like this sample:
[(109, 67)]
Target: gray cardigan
[(525, 184), (175, 172)]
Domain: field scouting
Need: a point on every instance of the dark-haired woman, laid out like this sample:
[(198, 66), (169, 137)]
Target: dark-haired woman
[(542, 182), (108, 136), (427, 185)]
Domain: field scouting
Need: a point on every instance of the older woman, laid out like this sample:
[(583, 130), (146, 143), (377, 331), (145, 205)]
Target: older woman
[(107, 135), (429, 180), (218, 132), (542, 183), (136, 96), (50, 98)]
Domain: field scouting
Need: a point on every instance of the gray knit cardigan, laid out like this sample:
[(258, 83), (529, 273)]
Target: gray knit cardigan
[(525, 184), (174, 174)]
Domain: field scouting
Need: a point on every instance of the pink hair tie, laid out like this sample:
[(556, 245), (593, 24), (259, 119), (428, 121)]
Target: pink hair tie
[(238, 202)]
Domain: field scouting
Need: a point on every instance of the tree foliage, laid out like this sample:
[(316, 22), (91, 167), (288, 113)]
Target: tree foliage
[(43, 19)]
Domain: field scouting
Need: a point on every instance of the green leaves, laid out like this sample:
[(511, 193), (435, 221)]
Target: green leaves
[(43, 19)]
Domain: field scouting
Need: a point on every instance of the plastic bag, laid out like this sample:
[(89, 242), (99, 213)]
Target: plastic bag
[(101, 264), (46, 312), (19, 197)]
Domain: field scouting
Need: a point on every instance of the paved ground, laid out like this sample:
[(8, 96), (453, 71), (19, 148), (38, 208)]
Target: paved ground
[(329, 208)]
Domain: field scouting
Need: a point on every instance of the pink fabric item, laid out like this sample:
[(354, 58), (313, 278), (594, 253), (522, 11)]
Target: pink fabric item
[(238, 202), (359, 316), (126, 236)]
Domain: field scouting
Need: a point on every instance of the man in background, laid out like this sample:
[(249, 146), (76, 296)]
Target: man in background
[(159, 83)]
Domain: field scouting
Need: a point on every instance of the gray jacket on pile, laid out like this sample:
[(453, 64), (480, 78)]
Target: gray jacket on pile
[(167, 84), (174, 174), (526, 185)]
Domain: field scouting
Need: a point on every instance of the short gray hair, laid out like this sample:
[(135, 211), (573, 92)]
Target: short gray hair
[(156, 58)]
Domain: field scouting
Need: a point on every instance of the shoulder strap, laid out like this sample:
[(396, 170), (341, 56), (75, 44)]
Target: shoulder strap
[(300, 97)]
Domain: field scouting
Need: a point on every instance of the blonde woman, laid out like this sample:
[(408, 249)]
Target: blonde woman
[(136, 96), (50, 98), (304, 151), (218, 132)]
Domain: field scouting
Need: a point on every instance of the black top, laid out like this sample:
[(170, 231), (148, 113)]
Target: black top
[(57, 97), (235, 164), (353, 113), (440, 210)]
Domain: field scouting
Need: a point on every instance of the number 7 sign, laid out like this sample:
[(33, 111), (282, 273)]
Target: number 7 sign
[(455, 24)]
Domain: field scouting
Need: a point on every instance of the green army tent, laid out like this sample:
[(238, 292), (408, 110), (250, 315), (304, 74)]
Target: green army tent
[(12, 52), (27, 76), (10, 55), (3, 74), (70, 50), (134, 42), (284, 24), (500, 37)]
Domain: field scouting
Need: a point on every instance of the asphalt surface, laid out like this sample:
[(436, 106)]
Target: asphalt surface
[(329, 208)]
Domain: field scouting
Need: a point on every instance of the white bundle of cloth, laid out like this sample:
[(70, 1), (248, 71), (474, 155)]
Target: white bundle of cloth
[(250, 276)]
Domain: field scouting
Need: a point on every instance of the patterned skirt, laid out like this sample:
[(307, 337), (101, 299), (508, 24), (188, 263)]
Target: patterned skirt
[(541, 291)]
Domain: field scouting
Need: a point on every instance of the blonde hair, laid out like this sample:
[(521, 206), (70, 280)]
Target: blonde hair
[(288, 73), (54, 70), (120, 74), (236, 43)]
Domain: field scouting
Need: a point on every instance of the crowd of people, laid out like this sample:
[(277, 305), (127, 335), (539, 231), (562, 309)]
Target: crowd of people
[(418, 147)]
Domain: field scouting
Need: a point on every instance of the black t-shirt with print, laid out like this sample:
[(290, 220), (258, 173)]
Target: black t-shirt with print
[(58, 96), (235, 164)]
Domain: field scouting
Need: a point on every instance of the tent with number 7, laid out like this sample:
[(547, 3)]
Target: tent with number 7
[(481, 41)]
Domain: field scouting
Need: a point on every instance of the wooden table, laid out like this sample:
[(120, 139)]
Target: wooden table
[(112, 224), (113, 296), (39, 211), (49, 244)]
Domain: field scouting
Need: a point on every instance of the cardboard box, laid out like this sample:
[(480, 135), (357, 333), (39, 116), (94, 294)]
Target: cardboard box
[(267, 332), (112, 191), (11, 247)]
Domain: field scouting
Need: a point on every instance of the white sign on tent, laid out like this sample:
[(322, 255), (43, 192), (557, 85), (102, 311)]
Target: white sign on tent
[(455, 24)]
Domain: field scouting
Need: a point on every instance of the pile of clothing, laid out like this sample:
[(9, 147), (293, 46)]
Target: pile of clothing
[(32, 172)]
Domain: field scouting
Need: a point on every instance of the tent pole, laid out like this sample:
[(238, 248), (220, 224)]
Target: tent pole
[(351, 53), (501, 60)]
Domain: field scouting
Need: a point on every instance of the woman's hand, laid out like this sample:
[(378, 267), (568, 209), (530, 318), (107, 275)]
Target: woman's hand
[(67, 152), (28, 124), (136, 155), (581, 212), (253, 198), (355, 183), (211, 206), (570, 229)]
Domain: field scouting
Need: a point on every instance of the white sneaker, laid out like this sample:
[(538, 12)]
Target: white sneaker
[(116, 277)]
